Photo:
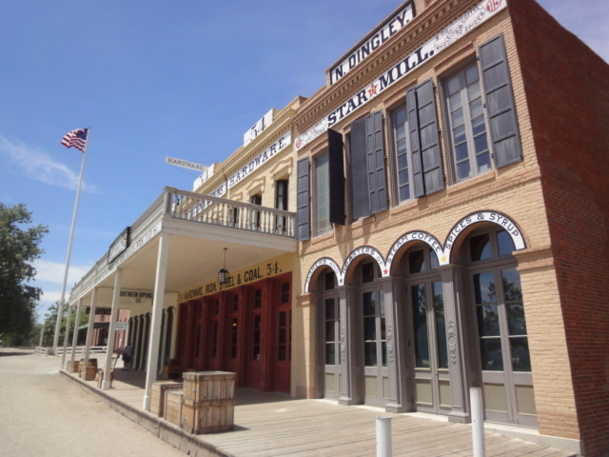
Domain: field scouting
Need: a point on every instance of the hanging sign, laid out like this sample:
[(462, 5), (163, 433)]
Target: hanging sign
[(447, 36)]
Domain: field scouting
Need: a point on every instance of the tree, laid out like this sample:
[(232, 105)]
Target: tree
[(19, 248)]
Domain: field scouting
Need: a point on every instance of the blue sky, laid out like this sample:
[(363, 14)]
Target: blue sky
[(154, 79)]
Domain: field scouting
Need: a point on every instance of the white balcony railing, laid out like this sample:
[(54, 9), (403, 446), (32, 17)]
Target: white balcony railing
[(199, 209)]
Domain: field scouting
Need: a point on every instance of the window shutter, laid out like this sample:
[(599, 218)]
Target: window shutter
[(415, 149), (359, 170), (424, 139), (303, 211), (376, 162), (500, 102), (337, 178)]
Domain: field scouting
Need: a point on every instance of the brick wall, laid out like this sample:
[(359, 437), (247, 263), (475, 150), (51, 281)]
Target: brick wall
[(567, 88)]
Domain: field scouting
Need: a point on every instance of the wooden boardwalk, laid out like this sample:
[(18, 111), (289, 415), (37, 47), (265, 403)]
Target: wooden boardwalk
[(269, 425)]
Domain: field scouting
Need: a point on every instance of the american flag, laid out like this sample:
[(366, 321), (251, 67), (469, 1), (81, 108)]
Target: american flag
[(76, 138)]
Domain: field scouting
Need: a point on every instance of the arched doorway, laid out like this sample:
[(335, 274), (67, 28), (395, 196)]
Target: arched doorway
[(495, 304)]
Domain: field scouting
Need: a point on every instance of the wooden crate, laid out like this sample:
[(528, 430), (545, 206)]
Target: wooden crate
[(173, 406), (158, 391), (200, 386), (208, 416), (90, 373)]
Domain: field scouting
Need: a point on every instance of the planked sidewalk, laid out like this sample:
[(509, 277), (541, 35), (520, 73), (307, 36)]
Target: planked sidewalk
[(268, 424)]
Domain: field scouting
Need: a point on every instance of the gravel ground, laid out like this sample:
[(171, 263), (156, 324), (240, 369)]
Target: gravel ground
[(44, 414)]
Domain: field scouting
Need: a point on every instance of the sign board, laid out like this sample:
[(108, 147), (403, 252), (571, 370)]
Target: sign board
[(186, 164), (258, 127), (447, 36), (119, 245), (375, 40), (121, 326)]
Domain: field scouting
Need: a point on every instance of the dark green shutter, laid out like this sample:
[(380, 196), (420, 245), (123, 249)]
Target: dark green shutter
[(426, 155), (500, 102), (359, 170), (368, 183), (375, 152), (303, 212), (336, 178)]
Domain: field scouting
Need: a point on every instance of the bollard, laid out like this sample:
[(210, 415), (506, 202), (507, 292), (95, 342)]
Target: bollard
[(477, 407), (383, 436)]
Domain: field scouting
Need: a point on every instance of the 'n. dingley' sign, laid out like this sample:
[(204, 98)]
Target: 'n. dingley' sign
[(377, 38), (447, 36)]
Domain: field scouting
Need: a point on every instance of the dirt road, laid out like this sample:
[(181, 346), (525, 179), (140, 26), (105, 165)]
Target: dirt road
[(43, 414)]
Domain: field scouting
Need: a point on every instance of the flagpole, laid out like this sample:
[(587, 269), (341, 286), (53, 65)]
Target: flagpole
[(69, 253)]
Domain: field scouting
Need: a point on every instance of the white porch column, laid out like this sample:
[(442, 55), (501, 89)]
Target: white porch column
[(85, 362), (116, 296), (70, 367), (157, 317), (65, 337), (163, 339)]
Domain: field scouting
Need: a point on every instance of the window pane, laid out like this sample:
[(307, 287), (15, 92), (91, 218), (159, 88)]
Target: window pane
[(516, 322), (471, 75), (488, 320), (478, 125), (454, 84), (370, 328), (485, 289), (419, 311), (322, 193), (440, 324), (480, 144), (484, 162), (475, 109), (330, 333), (405, 192), (368, 299), (511, 285), (506, 245), (454, 101), (433, 260), (330, 354), (463, 170), (456, 118), (370, 354), (521, 361), (461, 154), (480, 247), (330, 308), (459, 135), (416, 261), (490, 354), (367, 272)]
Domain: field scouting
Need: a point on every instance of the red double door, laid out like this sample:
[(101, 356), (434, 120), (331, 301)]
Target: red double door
[(246, 330)]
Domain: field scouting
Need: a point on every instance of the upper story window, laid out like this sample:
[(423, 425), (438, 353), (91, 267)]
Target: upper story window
[(403, 166), (322, 193), (468, 131)]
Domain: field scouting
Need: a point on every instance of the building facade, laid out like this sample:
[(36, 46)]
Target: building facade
[(433, 219), (439, 244)]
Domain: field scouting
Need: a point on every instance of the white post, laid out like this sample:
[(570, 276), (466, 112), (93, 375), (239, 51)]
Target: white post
[(477, 407), (116, 296), (70, 367), (85, 361), (69, 253), (383, 436), (157, 317), (65, 337)]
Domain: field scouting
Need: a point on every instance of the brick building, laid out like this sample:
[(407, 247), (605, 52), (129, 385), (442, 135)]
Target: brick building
[(433, 219), (456, 233)]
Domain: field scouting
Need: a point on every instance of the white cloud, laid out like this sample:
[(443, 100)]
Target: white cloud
[(38, 165), (53, 272)]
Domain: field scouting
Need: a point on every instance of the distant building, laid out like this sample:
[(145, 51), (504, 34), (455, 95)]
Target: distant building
[(434, 218)]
